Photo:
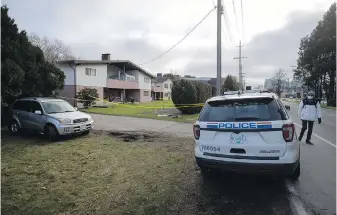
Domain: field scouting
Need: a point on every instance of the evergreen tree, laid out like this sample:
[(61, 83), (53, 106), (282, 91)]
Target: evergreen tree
[(24, 71)]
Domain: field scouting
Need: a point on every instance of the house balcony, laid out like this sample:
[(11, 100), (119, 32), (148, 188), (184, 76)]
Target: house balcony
[(156, 89), (122, 84)]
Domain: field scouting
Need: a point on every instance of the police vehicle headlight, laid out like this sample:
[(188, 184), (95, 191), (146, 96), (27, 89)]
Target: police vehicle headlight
[(64, 121), (89, 118)]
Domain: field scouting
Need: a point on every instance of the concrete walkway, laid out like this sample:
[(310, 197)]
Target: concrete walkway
[(122, 123)]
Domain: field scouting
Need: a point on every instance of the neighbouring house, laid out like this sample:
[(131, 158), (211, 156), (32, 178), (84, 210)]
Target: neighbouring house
[(112, 78), (161, 87)]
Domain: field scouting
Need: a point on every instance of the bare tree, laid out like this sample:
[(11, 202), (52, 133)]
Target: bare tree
[(279, 80), (53, 50)]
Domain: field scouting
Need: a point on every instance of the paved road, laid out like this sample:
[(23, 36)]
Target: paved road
[(317, 184), (327, 129), (315, 190), (105, 122)]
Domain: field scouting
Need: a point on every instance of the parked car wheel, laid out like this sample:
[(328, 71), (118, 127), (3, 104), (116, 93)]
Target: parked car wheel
[(14, 127), (52, 133), (86, 132)]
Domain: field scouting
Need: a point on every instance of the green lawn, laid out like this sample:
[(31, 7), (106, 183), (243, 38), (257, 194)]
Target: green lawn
[(142, 110), (298, 101), (99, 173), (328, 107)]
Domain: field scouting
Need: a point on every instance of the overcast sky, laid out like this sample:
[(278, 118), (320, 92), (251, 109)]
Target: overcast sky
[(139, 30)]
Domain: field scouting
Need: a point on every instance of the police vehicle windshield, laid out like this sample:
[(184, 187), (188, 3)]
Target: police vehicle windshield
[(240, 110)]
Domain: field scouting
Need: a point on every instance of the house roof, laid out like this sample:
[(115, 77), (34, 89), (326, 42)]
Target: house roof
[(161, 79), (118, 63)]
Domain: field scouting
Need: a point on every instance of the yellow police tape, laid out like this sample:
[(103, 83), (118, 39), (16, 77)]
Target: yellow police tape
[(138, 106)]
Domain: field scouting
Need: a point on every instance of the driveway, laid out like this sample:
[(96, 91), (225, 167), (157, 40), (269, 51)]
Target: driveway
[(122, 123)]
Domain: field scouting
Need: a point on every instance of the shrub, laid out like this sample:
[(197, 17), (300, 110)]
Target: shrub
[(184, 92), (87, 97), (190, 92), (204, 92)]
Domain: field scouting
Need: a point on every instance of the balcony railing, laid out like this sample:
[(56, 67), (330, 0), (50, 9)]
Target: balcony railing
[(122, 84), (122, 78)]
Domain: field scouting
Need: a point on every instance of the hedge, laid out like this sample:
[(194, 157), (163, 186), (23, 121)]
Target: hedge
[(185, 92)]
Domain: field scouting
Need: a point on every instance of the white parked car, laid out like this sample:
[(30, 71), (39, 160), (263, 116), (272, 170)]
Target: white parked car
[(247, 133)]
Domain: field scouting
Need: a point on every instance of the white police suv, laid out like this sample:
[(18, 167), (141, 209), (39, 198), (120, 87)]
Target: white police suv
[(247, 133)]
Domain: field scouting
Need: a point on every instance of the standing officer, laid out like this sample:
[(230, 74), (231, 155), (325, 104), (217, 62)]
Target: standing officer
[(309, 110)]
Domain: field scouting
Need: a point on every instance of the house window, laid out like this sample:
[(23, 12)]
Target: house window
[(146, 80), (158, 85), (166, 86), (90, 72), (146, 93)]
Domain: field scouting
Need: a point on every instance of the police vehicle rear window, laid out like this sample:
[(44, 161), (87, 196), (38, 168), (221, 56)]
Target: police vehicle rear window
[(240, 110)]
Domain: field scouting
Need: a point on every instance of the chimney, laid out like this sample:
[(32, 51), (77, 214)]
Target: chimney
[(159, 75), (106, 56)]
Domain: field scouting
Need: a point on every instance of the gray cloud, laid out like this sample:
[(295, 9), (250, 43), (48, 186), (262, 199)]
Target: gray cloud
[(266, 52), (132, 35)]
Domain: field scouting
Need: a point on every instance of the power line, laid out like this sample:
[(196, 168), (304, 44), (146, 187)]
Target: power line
[(225, 34), (180, 40), (228, 30), (236, 18), (242, 24), (226, 38), (225, 18)]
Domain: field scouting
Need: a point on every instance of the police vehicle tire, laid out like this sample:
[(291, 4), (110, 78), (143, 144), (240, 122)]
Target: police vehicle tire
[(205, 171), (296, 174)]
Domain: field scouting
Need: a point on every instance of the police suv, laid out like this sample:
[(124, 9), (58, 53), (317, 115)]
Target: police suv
[(247, 133)]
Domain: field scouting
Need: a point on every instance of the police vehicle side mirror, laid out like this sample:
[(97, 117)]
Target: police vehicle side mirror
[(287, 107)]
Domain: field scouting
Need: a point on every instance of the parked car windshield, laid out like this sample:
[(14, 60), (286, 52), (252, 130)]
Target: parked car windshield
[(256, 109), (57, 107)]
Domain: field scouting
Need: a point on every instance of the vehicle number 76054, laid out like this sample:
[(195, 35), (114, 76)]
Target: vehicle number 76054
[(210, 148)]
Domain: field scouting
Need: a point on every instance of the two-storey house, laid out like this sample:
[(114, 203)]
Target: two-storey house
[(112, 78), (161, 87)]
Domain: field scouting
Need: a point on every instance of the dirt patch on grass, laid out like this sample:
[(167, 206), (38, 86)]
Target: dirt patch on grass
[(135, 136)]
